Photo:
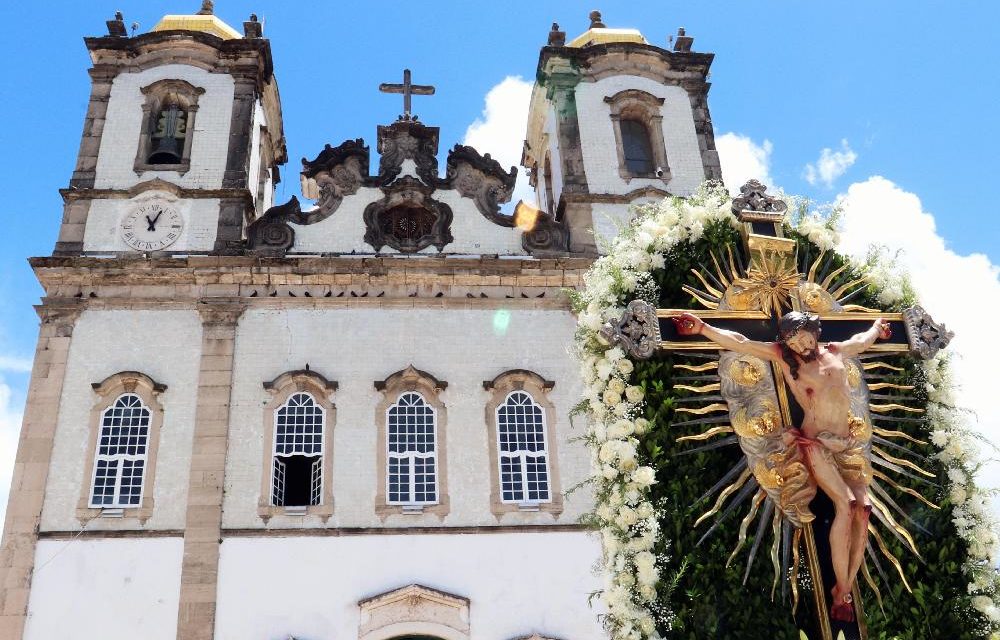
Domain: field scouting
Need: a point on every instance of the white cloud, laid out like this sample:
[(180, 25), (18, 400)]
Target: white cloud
[(963, 291), (10, 427), (501, 128), (831, 165), (742, 159)]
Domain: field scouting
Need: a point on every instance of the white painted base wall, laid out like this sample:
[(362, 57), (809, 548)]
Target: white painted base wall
[(105, 590), (309, 587)]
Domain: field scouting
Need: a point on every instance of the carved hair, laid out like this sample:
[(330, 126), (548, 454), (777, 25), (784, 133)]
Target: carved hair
[(790, 324)]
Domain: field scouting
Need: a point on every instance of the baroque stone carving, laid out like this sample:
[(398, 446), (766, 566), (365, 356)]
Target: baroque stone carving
[(336, 172), (443, 614), (637, 331), (408, 140), (483, 179), (926, 336), (753, 204), (270, 234), (545, 235), (408, 219)]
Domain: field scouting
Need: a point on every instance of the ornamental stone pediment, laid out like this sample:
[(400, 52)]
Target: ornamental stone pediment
[(414, 609)]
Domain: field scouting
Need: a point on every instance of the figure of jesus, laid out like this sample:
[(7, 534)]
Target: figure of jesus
[(837, 460)]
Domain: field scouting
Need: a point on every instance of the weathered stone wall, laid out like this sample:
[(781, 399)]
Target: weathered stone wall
[(201, 221)]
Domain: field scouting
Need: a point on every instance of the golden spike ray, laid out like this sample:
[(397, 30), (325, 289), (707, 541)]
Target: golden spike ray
[(893, 406), (878, 364), (913, 492), (905, 463), (708, 366), (711, 433), (875, 386), (888, 554), (858, 307), (775, 546), (732, 263), (872, 585), (725, 494), (815, 266), (718, 406), (718, 270), (830, 278), (754, 506), (888, 433), (708, 303), (702, 389), (709, 288), (901, 530), (794, 578), (845, 288)]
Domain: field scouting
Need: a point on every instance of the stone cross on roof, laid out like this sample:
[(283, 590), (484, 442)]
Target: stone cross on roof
[(407, 89)]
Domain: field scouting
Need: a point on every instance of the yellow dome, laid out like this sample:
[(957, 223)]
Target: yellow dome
[(603, 35), (202, 22)]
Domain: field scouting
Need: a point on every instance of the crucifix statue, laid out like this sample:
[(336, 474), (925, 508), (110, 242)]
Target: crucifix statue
[(803, 411), (408, 89)]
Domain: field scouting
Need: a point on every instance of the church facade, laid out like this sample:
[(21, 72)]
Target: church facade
[(349, 419)]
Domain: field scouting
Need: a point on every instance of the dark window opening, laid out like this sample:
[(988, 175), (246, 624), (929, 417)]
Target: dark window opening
[(297, 480), (168, 136), (638, 150)]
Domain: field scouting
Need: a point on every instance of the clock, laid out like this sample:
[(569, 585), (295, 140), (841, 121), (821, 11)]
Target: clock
[(152, 227)]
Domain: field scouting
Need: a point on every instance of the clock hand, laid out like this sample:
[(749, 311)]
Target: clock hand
[(150, 224)]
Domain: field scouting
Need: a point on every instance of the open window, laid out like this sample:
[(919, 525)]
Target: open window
[(167, 126), (297, 457)]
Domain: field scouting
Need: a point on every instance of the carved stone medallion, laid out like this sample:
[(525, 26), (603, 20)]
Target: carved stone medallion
[(637, 331), (408, 219), (926, 336)]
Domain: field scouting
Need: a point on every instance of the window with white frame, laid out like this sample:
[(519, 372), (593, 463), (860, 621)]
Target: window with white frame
[(411, 438), (297, 467), (120, 459), (523, 457)]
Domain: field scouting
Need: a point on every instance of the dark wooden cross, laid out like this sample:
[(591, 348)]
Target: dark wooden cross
[(407, 89), (643, 331)]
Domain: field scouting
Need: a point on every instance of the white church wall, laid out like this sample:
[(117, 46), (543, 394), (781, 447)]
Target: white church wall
[(555, 157), (166, 346), (598, 136), (209, 147), (105, 589), (358, 346), (255, 134), (309, 587), (201, 222), (344, 231)]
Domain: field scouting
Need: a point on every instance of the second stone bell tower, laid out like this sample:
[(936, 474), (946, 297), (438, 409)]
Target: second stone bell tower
[(615, 121)]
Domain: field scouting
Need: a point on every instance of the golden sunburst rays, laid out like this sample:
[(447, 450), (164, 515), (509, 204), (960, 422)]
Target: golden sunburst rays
[(716, 282), (769, 282), (827, 287)]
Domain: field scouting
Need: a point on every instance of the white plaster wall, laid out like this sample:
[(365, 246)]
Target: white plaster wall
[(201, 222), (555, 156), (358, 346), (120, 139), (309, 587), (166, 346), (105, 589), (255, 135), (344, 231), (597, 135)]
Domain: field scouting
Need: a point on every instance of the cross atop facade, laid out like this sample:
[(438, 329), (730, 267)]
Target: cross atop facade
[(407, 89)]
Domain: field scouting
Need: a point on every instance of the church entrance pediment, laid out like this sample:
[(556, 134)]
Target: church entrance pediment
[(414, 612)]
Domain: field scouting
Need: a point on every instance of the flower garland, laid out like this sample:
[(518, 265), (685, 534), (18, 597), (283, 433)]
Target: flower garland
[(624, 512)]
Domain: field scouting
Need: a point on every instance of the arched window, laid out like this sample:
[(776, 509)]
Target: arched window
[(412, 440), (298, 429), (524, 469), (638, 126), (120, 461), (120, 468), (636, 148), (523, 458), (297, 469), (167, 126), (412, 428)]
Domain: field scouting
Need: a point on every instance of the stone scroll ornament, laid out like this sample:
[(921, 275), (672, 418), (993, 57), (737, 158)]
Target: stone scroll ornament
[(926, 336), (637, 332)]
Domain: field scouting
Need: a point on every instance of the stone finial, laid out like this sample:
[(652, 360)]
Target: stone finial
[(116, 27), (595, 20), (557, 38), (753, 204), (207, 8), (683, 41), (252, 28)]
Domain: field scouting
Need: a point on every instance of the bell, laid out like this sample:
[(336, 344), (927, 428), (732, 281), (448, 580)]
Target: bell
[(167, 151)]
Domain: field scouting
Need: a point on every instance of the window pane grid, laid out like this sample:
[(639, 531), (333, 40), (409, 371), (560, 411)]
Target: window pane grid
[(120, 460), (410, 426), (299, 426), (522, 453)]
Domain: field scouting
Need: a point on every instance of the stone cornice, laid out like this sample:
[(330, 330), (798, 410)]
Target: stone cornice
[(582, 57), (74, 194)]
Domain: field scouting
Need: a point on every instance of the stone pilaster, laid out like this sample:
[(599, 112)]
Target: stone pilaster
[(202, 531), (31, 467)]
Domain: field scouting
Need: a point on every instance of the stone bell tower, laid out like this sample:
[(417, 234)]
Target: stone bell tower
[(614, 121), (183, 120)]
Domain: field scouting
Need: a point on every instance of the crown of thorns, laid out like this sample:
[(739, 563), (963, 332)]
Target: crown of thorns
[(795, 321)]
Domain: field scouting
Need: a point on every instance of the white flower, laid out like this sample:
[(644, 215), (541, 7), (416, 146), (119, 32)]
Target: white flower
[(644, 510), (646, 623), (615, 354), (645, 560), (621, 409), (603, 369), (612, 398), (958, 495), (626, 517), (641, 426), (634, 394), (957, 476), (644, 476), (617, 385), (625, 366)]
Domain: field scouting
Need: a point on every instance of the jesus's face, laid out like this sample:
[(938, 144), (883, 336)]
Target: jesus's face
[(803, 343)]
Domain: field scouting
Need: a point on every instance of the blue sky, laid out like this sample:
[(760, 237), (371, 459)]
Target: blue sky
[(903, 90)]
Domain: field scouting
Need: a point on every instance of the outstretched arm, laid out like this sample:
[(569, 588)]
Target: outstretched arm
[(860, 342), (689, 324)]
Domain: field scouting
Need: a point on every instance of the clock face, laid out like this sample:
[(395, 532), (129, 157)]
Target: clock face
[(152, 227)]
